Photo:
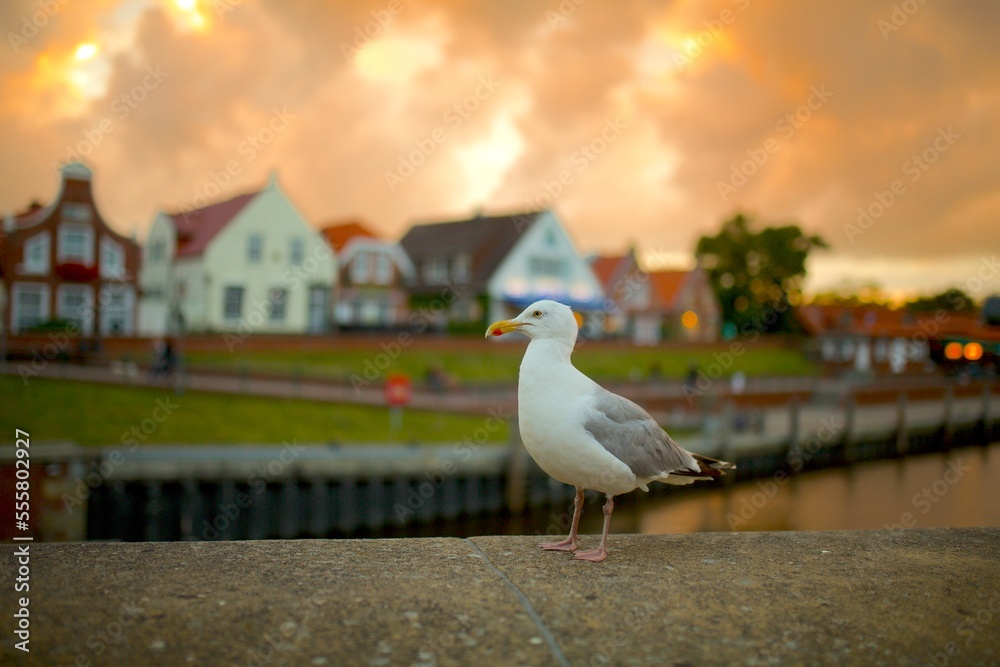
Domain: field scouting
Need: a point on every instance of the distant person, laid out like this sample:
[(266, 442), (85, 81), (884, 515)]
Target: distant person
[(164, 359)]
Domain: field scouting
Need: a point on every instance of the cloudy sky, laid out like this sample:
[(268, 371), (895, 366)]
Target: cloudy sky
[(873, 124)]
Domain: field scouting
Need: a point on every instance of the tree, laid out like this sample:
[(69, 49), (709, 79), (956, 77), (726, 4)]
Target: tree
[(951, 300), (757, 275)]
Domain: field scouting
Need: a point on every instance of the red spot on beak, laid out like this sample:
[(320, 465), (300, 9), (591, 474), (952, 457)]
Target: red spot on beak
[(497, 332)]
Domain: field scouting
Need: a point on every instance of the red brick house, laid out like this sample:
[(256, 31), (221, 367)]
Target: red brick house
[(63, 262), (651, 306), (371, 290)]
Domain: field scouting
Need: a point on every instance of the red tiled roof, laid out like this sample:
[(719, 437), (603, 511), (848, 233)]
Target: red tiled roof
[(337, 235), (665, 287), (876, 320), (197, 228), (605, 267)]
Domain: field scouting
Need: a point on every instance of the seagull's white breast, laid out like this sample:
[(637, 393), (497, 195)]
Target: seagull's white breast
[(553, 399)]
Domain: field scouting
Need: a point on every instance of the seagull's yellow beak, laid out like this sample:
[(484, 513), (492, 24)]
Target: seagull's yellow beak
[(502, 327)]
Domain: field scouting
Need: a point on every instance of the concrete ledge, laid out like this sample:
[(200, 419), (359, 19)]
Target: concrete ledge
[(912, 597)]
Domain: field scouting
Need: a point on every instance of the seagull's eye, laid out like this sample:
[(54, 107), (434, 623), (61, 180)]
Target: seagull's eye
[(537, 313)]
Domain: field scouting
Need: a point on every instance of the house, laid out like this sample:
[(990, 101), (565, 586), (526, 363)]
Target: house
[(491, 267), (650, 306), (62, 262), (373, 276), (247, 264), (868, 338)]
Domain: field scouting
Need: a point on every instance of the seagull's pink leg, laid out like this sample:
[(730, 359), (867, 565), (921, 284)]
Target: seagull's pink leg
[(569, 544), (601, 552)]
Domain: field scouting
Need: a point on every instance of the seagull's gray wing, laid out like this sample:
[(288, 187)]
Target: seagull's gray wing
[(633, 437)]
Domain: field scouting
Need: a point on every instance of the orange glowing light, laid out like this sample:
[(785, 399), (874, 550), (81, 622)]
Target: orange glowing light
[(689, 319), (973, 351), (953, 351), (86, 51)]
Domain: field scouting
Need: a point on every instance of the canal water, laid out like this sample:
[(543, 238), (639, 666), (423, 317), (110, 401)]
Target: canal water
[(957, 488)]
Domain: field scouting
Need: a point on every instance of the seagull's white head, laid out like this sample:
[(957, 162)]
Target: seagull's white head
[(542, 319)]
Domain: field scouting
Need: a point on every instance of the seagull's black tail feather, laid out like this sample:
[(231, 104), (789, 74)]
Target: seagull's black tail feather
[(708, 467)]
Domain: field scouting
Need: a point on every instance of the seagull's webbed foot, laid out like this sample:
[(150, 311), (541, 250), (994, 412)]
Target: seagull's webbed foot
[(569, 544), (594, 555), (601, 552)]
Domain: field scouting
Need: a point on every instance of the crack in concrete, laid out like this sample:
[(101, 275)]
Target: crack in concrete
[(546, 634)]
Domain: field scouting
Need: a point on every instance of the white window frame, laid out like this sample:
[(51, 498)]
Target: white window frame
[(87, 258), (78, 212), (297, 252), (86, 317), (461, 269), (127, 309), (436, 270), (112, 250), (255, 249), (226, 315), (42, 241), (383, 269), (359, 269), (277, 306), (45, 312)]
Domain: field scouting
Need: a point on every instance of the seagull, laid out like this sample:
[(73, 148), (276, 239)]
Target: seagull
[(584, 435)]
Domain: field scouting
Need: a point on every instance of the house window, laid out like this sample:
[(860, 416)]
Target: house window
[(550, 267), (232, 303), (31, 306), (76, 244), (383, 269), (461, 269), (297, 252), (157, 250), (359, 268), (74, 305), (112, 259), (116, 310), (255, 248), (36, 254), (77, 212), (436, 270), (277, 300)]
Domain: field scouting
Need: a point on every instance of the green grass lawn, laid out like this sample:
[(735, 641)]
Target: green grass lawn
[(99, 414), (499, 363)]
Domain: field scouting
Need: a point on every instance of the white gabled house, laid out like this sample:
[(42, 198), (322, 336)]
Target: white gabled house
[(248, 264), (491, 267)]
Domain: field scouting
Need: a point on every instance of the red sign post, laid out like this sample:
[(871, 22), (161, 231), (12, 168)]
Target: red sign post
[(398, 392)]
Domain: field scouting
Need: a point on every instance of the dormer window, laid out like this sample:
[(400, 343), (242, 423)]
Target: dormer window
[(76, 244), (36, 254), (77, 212)]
